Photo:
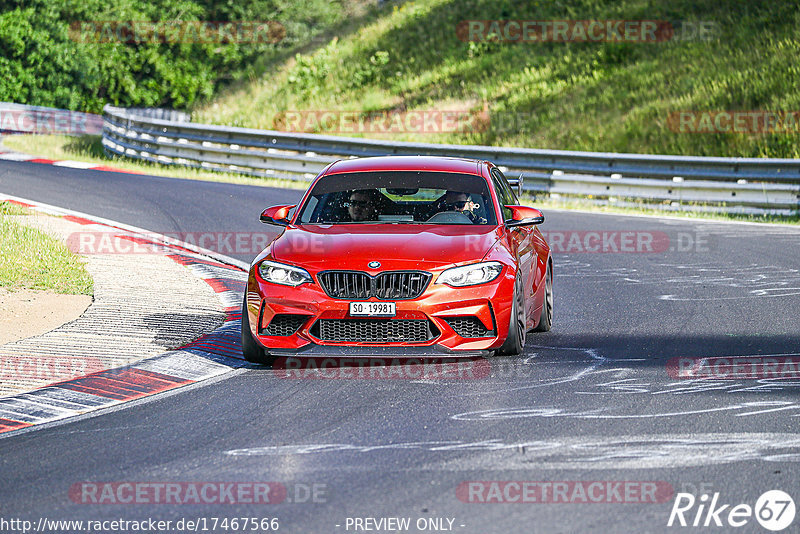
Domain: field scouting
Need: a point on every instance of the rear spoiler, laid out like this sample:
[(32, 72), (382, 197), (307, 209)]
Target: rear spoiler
[(518, 184)]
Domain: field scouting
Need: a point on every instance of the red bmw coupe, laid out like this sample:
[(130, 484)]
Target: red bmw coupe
[(400, 255)]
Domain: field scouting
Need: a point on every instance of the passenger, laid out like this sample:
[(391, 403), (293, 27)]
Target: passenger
[(363, 205)]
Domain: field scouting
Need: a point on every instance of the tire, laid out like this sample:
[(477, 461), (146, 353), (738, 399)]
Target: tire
[(252, 351), (546, 318), (515, 342)]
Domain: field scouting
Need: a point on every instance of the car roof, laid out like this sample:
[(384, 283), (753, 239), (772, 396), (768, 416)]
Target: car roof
[(406, 163)]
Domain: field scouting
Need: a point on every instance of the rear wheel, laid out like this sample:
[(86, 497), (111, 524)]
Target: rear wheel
[(252, 351), (515, 342), (546, 319)]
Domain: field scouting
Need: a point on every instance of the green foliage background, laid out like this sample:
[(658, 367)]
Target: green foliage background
[(595, 96), (41, 65)]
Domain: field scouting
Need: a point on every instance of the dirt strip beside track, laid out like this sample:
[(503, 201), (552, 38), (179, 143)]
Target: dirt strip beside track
[(144, 305)]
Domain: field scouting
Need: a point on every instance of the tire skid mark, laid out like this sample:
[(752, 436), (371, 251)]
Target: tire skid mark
[(602, 413), (749, 281), (568, 452), (592, 363)]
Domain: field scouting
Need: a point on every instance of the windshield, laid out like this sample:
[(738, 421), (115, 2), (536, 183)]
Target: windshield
[(399, 197)]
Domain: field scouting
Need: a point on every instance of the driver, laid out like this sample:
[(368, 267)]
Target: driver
[(362, 205), (462, 203)]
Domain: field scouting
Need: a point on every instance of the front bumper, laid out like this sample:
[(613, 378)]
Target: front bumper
[(312, 350), (490, 303)]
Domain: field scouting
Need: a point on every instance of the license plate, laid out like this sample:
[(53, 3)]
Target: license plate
[(373, 309)]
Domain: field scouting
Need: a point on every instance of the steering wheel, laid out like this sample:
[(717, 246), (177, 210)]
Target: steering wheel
[(450, 217)]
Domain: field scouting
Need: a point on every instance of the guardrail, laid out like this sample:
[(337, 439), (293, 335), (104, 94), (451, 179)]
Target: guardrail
[(752, 185)]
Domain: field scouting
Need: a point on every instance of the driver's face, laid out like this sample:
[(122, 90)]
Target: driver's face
[(361, 207)]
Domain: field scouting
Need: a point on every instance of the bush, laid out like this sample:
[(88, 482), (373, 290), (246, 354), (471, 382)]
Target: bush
[(43, 63)]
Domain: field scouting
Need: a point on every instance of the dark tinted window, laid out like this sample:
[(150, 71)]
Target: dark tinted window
[(417, 197), (504, 191)]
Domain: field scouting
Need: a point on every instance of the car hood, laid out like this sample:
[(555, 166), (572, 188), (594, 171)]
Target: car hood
[(395, 246)]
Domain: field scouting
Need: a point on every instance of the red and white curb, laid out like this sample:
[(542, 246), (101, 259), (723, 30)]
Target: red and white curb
[(9, 155), (213, 355)]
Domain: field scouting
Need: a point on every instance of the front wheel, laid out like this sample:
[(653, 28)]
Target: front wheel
[(546, 319), (252, 351), (515, 342)]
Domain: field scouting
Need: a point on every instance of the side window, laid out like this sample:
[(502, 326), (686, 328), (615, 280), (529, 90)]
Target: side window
[(506, 195), (509, 190), (310, 209)]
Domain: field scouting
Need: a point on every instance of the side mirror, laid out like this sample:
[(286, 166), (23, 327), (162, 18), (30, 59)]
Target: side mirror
[(524, 216), (278, 215)]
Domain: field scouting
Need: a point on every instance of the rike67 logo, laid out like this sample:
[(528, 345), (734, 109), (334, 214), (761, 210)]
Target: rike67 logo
[(774, 510)]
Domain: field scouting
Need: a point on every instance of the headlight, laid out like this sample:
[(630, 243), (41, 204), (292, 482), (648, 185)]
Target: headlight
[(471, 275), (286, 275)]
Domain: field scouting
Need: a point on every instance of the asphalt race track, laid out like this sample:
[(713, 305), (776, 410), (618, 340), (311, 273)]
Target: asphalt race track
[(596, 399)]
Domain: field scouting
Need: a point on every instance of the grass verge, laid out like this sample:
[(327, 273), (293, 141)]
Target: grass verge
[(32, 259)]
